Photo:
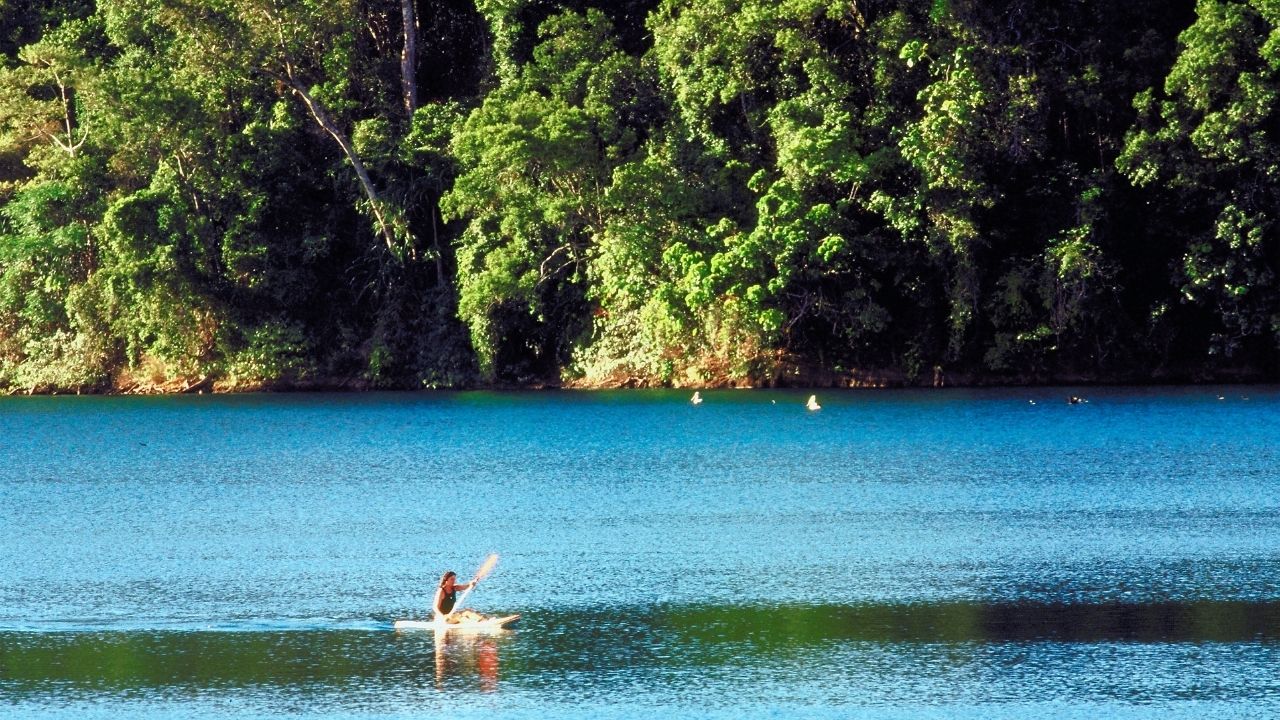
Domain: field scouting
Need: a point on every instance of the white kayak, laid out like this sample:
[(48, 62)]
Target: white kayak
[(489, 624)]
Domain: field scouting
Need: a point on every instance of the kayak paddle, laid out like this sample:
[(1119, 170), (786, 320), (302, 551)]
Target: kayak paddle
[(484, 570)]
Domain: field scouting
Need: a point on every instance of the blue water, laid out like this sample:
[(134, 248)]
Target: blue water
[(896, 554)]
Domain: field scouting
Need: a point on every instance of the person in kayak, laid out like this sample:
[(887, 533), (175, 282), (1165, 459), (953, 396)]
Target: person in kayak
[(447, 597)]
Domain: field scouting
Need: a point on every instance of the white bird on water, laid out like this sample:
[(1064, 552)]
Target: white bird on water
[(697, 398), (813, 403)]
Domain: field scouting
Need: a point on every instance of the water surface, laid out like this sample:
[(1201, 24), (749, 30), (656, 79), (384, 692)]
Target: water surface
[(896, 554)]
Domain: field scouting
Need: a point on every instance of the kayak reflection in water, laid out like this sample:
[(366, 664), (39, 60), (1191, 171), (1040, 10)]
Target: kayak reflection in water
[(460, 658), (447, 597), (487, 665)]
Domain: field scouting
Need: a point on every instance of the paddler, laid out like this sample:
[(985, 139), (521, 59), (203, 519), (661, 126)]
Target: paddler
[(447, 596)]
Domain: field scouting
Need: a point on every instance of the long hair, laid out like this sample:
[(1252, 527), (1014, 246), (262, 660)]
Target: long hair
[(446, 576)]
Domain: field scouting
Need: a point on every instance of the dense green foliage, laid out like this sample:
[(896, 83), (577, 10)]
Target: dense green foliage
[(247, 193)]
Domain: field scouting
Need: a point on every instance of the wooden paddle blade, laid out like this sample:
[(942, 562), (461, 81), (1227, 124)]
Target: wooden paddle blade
[(484, 570), (487, 567)]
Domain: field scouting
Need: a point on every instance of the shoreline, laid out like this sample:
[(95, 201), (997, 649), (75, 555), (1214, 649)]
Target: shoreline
[(879, 381)]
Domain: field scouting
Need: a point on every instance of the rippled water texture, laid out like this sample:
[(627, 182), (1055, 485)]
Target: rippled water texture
[(897, 554)]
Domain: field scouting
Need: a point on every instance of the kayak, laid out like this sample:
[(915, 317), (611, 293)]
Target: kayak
[(489, 624)]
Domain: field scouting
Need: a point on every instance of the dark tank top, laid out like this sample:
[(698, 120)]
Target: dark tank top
[(447, 600)]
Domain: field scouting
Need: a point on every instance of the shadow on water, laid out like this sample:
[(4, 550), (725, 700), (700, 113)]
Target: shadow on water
[(554, 644), (1209, 621)]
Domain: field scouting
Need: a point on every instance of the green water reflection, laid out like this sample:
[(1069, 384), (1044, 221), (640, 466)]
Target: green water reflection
[(1209, 621), (558, 644)]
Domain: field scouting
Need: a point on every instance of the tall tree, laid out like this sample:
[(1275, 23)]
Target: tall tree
[(305, 47), (1205, 145), (536, 159)]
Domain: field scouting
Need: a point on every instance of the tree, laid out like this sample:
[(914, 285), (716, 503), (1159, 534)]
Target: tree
[(305, 47), (51, 335), (1205, 145), (535, 160)]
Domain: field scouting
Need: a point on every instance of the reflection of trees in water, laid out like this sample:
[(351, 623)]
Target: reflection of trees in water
[(588, 643), (460, 658), (782, 627)]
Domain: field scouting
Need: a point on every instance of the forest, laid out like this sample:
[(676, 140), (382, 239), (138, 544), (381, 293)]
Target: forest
[(292, 194)]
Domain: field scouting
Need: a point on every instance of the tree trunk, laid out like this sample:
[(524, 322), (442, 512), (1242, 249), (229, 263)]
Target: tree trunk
[(326, 122), (70, 146), (441, 279), (409, 58)]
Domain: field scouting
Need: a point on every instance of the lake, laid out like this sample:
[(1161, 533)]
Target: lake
[(897, 554)]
